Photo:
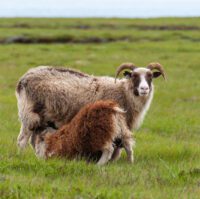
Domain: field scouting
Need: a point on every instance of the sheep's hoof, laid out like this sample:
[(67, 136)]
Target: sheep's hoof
[(101, 163), (131, 160)]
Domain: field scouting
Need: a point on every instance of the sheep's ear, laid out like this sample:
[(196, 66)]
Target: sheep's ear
[(127, 74), (156, 74)]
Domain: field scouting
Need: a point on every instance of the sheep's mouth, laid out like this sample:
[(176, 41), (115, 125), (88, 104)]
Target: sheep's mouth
[(144, 93), (138, 93)]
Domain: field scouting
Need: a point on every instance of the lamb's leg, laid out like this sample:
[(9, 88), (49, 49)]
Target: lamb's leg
[(116, 154), (128, 144), (106, 155)]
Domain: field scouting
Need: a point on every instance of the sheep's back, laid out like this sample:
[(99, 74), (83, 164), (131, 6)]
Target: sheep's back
[(93, 126)]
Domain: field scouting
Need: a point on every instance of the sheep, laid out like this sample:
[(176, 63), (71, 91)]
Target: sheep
[(95, 129), (49, 96)]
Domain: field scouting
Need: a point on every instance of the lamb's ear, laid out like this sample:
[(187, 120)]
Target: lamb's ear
[(156, 74), (127, 74)]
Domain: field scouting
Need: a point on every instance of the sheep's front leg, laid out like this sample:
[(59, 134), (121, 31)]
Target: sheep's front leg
[(106, 155), (128, 144), (129, 152)]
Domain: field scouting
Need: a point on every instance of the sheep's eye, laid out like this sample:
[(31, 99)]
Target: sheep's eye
[(149, 75), (135, 75)]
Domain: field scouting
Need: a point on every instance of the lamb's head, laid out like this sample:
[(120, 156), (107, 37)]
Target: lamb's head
[(140, 78)]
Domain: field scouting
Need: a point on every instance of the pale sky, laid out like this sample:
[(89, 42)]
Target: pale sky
[(99, 8)]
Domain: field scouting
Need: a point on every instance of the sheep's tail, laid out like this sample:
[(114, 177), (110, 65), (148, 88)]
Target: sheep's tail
[(117, 109)]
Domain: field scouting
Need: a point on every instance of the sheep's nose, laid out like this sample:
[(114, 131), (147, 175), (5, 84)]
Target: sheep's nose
[(144, 88)]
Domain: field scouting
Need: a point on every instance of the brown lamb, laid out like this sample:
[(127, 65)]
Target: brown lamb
[(96, 129)]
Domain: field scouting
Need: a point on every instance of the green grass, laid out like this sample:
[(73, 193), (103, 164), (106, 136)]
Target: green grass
[(167, 154)]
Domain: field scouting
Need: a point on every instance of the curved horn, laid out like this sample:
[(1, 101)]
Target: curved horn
[(123, 66), (158, 67)]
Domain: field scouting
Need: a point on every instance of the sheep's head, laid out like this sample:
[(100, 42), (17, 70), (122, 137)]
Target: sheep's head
[(141, 77)]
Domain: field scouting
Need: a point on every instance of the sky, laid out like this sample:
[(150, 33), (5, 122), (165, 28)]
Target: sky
[(99, 8)]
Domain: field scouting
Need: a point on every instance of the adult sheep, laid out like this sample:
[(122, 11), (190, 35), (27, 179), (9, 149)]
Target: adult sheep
[(53, 96)]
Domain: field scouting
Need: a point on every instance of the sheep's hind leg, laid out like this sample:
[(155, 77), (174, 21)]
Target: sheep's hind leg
[(23, 137), (28, 126), (106, 155), (29, 119)]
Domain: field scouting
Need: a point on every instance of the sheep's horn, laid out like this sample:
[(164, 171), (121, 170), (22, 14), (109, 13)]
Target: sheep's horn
[(123, 66), (158, 67)]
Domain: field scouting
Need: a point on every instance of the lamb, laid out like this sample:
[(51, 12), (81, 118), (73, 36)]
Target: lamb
[(96, 129), (49, 96)]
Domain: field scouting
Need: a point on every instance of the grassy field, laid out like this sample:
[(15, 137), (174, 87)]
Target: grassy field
[(167, 154)]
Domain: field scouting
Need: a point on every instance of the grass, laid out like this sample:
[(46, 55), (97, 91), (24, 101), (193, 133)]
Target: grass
[(167, 154)]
